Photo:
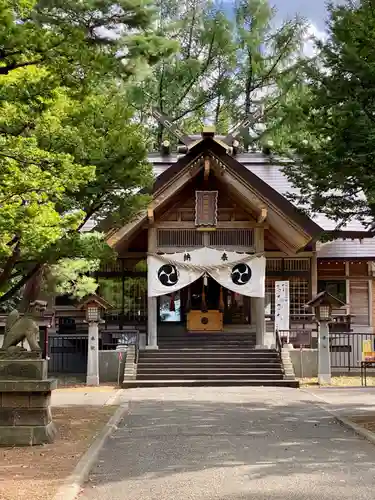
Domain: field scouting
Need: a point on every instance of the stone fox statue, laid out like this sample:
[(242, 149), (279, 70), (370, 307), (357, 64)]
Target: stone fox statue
[(18, 328)]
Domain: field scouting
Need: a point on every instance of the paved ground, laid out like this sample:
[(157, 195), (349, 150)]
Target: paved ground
[(232, 444), (347, 401), (85, 396)]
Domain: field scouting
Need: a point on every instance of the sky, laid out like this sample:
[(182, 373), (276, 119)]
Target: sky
[(313, 10)]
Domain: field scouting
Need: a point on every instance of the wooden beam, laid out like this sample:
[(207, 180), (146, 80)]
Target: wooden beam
[(295, 234), (133, 255), (160, 199), (150, 215), (206, 168), (220, 225), (263, 215), (289, 251)]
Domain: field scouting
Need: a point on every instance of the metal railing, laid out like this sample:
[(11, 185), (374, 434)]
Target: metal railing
[(298, 337), (68, 353), (346, 349), (279, 344)]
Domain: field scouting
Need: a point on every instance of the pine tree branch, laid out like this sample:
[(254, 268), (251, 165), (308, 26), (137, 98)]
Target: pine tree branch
[(204, 68), (4, 70)]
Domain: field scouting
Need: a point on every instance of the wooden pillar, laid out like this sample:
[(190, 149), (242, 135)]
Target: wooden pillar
[(152, 302), (314, 274), (347, 274), (314, 291), (259, 302), (370, 295)]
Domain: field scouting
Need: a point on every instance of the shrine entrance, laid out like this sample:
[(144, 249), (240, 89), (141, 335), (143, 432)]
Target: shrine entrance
[(205, 305)]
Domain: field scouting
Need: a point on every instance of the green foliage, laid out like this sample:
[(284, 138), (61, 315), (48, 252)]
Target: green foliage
[(71, 277), (224, 64), (70, 148), (335, 167), (79, 40)]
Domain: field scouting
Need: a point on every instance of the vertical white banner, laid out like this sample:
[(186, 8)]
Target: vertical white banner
[(282, 306)]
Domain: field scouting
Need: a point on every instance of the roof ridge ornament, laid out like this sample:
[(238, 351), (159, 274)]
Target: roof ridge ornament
[(243, 127), (167, 123)]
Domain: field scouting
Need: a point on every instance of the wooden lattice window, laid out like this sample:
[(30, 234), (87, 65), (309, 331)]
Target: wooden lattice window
[(297, 264), (299, 295), (180, 238), (232, 238), (274, 265)]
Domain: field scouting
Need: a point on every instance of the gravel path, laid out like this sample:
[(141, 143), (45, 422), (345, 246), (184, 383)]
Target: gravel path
[(232, 444)]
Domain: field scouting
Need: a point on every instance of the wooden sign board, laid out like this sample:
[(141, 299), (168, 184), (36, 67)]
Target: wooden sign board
[(206, 208), (282, 306)]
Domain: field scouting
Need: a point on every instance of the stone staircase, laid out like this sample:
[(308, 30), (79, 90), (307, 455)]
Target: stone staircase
[(224, 359)]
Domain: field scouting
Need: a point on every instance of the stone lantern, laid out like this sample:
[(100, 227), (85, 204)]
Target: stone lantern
[(93, 305), (322, 304)]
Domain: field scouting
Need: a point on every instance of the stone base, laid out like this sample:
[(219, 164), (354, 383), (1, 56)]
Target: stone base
[(92, 380), (30, 435), (34, 369), (19, 353), (25, 412)]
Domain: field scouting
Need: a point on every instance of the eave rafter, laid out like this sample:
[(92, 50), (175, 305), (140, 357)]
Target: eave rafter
[(295, 237)]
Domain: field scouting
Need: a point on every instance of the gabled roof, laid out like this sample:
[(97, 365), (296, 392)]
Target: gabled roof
[(270, 171), (293, 228), (210, 145)]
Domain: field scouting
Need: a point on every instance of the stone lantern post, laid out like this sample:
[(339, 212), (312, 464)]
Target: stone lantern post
[(93, 305), (323, 303)]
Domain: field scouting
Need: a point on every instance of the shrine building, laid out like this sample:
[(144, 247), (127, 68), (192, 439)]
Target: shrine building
[(202, 261)]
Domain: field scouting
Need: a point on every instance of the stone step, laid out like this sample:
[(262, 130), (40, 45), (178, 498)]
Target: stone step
[(212, 375), (201, 338), (207, 362), (210, 383), (198, 353), (210, 349)]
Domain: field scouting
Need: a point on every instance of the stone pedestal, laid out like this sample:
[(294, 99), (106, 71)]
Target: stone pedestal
[(29, 369), (25, 402), (324, 356), (25, 412), (92, 376)]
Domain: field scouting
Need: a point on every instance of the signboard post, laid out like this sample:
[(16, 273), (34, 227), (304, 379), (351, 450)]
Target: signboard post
[(282, 304)]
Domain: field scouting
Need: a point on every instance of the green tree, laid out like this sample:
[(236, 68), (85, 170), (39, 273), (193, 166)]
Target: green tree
[(189, 82), (269, 63), (83, 159), (334, 162), (226, 63), (68, 148), (78, 40)]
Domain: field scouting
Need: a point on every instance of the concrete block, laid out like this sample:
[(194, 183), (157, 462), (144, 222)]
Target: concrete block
[(40, 399), (25, 413), (15, 400), (305, 362), (27, 435), (35, 369), (27, 385), (109, 364)]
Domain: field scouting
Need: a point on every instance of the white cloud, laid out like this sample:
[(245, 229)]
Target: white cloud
[(313, 33)]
